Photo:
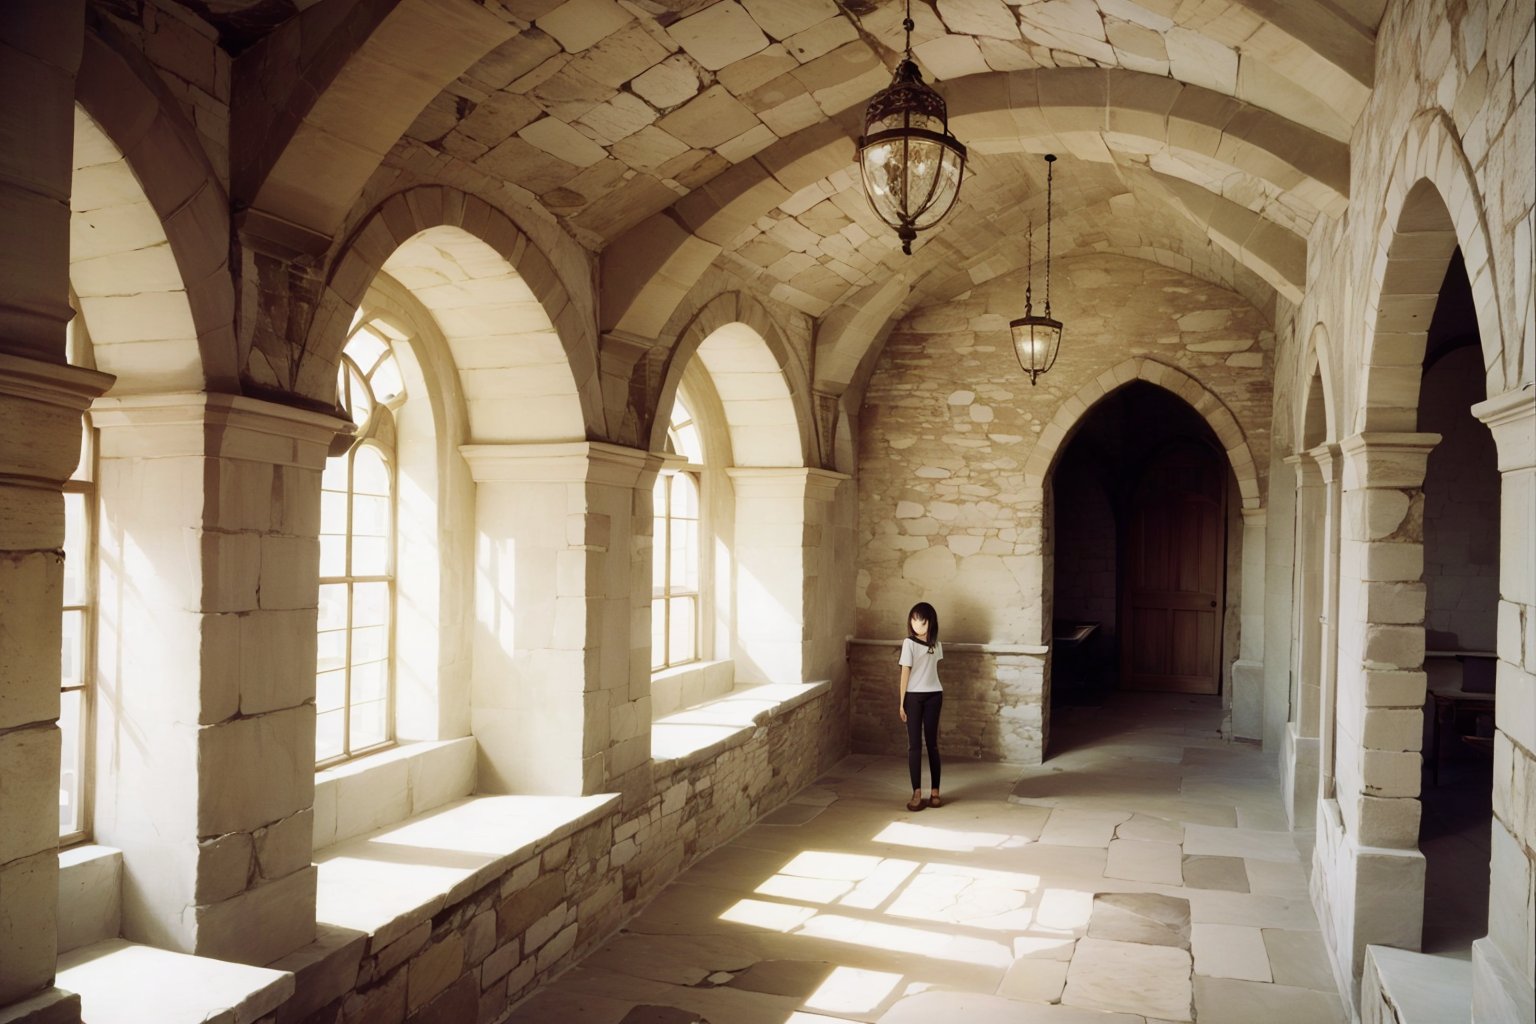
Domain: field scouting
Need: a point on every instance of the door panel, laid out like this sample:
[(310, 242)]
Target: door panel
[(1175, 572)]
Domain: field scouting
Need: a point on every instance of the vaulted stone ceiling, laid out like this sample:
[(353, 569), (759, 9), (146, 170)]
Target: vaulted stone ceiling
[(670, 134)]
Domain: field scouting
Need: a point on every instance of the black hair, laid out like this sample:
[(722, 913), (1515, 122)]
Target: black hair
[(924, 611)]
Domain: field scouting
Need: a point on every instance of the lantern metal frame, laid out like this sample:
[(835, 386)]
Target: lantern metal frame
[(1037, 339), (909, 97)]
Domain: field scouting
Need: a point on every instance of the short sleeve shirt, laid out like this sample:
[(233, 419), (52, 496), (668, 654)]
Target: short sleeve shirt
[(924, 664)]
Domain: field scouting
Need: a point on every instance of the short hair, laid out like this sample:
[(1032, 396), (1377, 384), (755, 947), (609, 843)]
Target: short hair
[(923, 610)]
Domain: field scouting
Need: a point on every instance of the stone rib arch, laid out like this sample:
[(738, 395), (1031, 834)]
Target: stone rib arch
[(995, 112), (1317, 362), (1432, 207), (123, 100), (1053, 438), (766, 411), (507, 274)]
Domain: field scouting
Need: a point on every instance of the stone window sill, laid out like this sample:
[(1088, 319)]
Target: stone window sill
[(120, 982), (90, 895), (381, 789), (386, 883), (686, 686), (700, 733)]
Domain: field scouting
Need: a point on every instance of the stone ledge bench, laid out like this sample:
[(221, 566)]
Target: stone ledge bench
[(120, 982), (701, 732), (1400, 986)]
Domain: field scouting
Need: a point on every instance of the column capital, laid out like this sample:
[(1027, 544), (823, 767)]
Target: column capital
[(1255, 517), (40, 408), (786, 481), (215, 425), (1385, 459), (573, 462), (1510, 417)]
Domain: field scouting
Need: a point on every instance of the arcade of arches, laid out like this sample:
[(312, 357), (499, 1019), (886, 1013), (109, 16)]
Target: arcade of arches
[(463, 462)]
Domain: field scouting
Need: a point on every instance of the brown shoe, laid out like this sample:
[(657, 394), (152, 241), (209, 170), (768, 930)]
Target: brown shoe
[(935, 801), (916, 804)]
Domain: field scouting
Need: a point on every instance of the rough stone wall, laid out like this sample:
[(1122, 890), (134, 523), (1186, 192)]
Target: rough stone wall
[(993, 704), (471, 961), (1452, 103)]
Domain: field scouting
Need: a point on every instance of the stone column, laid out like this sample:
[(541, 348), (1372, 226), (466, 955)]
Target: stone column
[(205, 735), (779, 517), (1504, 963), (1330, 466), (560, 698), (1248, 669), (1374, 867), (1299, 775), (40, 408)]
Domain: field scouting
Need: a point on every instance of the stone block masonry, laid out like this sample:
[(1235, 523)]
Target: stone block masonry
[(993, 703), (473, 960)]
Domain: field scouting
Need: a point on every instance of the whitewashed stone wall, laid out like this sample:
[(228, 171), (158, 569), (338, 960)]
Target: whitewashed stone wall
[(949, 423)]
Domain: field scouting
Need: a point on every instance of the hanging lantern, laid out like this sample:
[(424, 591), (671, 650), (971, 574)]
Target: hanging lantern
[(1037, 339), (909, 162)]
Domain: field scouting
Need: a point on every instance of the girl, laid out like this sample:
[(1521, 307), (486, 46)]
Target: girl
[(922, 697)]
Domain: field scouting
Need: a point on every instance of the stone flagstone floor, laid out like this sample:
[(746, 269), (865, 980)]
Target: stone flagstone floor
[(1143, 875)]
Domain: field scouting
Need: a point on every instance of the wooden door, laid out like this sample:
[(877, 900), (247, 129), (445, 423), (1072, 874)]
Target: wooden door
[(1172, 593)]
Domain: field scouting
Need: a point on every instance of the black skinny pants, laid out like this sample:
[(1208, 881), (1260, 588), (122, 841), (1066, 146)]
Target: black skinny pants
[(923, 726)]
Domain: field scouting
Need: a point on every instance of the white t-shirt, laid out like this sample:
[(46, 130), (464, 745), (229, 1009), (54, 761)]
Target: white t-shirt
[(924, 665)]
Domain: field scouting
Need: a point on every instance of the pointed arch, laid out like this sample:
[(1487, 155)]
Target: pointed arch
[(1316, 419), (1218, 417), (526, 354), (1433, 206), (748, 360)]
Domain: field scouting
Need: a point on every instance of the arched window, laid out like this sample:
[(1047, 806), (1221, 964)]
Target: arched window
[(79, 632), (675, 548), (354, 684)]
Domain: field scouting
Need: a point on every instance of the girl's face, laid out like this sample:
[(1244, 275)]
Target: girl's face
[(919, 626)]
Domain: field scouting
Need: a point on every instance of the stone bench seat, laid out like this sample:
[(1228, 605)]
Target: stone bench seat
[(1401, 986), (386, 883), (702, 731), (121, 982)]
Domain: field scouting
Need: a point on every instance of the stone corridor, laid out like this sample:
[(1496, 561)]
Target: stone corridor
[(1145, 871)]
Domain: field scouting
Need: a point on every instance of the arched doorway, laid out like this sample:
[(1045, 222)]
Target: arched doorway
[(1461, 598), (1142, 500)]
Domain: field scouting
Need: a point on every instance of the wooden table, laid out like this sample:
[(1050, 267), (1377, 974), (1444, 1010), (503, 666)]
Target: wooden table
[(1448, 701)]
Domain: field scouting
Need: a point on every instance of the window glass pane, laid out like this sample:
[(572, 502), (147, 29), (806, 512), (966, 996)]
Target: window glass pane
[(331, 651), (680, 640), (370, 473), (335, 476), (658, 634), (72, 762), (361, 406), (328, 735), (330, 691), (685, 555), (369, 644), (386, 381), (365, 348), (333, 509), (370, 556), (333, 555), (370, 682), (370, 604), (368, 725), (333, 606), (685, 497), (72, 662), (370, 515), (75, 544)]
